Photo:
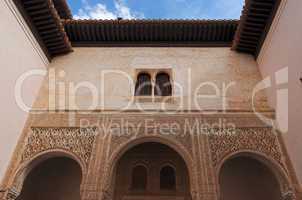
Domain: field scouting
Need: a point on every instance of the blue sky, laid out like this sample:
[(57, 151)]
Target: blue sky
[(155, 9)]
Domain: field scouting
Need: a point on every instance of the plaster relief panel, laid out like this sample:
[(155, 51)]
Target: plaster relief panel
[(78, 141), (224, 142)]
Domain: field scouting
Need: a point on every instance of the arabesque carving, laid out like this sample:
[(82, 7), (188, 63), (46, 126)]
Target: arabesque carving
[(224, 142), (79, 141), (119, 140)]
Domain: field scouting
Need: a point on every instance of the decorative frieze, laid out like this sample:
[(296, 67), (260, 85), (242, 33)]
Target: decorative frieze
[(78, 141), (203, 146), (224, 142)]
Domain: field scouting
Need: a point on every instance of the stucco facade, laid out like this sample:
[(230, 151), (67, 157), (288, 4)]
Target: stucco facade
[(109, 75), (97, 137), (84, 112)]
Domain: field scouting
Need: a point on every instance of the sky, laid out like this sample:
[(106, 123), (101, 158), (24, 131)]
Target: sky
[(156, 9)]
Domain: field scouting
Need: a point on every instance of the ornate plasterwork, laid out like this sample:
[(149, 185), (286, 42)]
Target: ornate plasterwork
[(119, 140), (11, 194), (289, 195), (224, 142), (78, 141)]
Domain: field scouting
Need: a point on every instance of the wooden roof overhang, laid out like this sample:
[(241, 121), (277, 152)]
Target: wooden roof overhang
[(62, 9), (45, 23), (255, 22), (151, 33), (52, 24)]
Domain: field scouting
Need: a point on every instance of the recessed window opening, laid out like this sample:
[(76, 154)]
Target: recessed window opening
[(167, 178), (163, 85), (143, 85), (139, 178)]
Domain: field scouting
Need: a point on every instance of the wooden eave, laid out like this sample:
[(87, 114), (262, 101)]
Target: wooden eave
[(52, 24), (62, 9), (151, 33), (45, 23), (255, 22)]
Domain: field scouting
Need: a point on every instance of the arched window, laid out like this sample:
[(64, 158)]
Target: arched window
[(143, 85), (139, 178), (163, 85), (167, 178)]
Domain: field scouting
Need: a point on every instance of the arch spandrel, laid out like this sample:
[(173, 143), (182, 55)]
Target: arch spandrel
[(224, 142), (78, 141)]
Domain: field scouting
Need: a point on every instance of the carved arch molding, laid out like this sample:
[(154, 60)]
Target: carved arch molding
[(73, 141), (222, 143)]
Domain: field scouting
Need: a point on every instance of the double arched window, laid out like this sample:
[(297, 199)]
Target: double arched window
[(139, 177), (162, 86), (167, 178)]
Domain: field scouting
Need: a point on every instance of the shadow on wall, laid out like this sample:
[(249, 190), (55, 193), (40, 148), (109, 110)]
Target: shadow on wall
[(54, 179), (249, 179)]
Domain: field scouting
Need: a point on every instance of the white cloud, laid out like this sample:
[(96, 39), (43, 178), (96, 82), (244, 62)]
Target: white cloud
[(100, 11)]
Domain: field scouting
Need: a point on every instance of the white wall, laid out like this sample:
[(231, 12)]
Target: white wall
[(282, 49), (19, 52), (191, 68)]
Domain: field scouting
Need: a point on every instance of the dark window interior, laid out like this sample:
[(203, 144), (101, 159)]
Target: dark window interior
[(143, 85), (167, 178), (139, 178), (163, 85)]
